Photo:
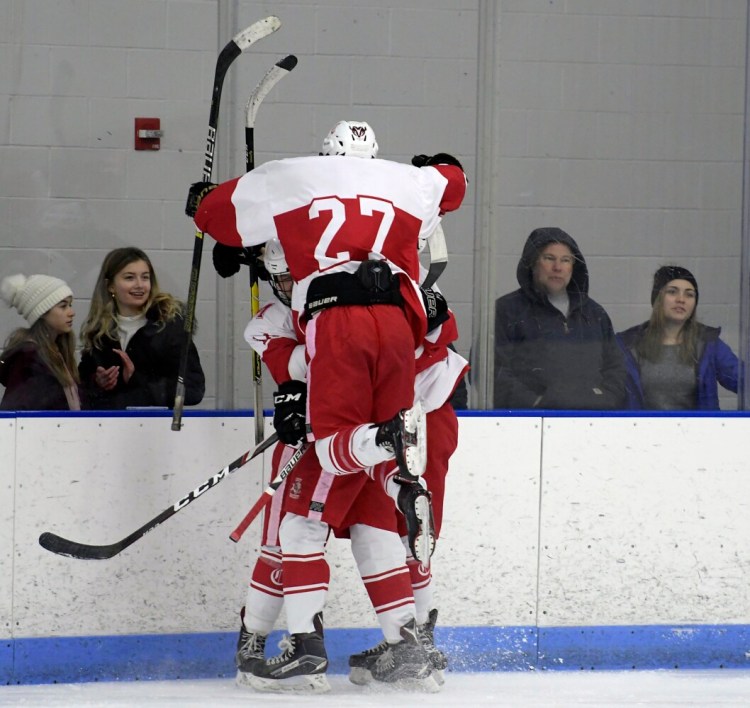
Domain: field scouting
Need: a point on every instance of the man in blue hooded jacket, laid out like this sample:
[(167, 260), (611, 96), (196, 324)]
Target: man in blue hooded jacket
[(555, 347)]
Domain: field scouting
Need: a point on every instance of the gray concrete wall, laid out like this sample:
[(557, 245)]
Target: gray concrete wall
[(620, 121)]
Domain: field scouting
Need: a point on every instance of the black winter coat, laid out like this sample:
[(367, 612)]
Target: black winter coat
[(545, 360), (155, 351), (29, 383)]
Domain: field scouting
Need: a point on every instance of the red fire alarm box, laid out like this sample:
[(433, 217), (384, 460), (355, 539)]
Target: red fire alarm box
[(147, 133)]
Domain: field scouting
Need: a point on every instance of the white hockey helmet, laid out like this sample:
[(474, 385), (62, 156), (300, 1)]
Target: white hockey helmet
[(275, 263), (273, 257), (354, 138)]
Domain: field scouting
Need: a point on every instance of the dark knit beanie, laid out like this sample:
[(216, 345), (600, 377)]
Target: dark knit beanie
[(666, 274)]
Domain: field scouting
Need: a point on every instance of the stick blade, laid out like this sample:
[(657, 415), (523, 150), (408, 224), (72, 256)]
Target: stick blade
[(250, 35), (438, 256), (63, 547), (278, 71)]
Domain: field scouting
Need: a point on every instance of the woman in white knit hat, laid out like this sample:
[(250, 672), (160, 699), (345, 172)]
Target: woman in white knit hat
[(37, 366)]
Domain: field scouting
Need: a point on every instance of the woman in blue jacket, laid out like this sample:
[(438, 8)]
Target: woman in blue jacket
[(674, 362)]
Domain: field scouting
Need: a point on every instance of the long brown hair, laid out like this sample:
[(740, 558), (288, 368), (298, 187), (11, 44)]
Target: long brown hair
[(101, 320), (649, 346), (57, 351)]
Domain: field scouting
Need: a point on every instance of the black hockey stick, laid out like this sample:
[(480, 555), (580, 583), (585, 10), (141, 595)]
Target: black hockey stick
[(63, 547), (238, 44), (265, 498), (273, 75)]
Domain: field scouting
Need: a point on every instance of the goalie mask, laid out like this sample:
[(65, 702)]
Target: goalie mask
[(352, 138), (276, 265)]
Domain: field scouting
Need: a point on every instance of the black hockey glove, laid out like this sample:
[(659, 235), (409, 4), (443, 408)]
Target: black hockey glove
[(436, 306), (440, 158), (254, 254), (289, 411), (197, 191), (228, 259)]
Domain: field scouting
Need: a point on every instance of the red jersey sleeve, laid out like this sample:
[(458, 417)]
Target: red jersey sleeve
[(216, 215), (455, 191), (276, 357)]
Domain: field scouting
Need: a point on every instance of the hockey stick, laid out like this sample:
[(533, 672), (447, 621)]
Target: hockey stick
[(237, 45), (438, 256), (273, 75), (255, 357), (265, 498), (63, 547)]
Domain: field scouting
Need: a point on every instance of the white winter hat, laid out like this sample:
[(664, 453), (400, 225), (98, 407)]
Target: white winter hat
[(35, 295)]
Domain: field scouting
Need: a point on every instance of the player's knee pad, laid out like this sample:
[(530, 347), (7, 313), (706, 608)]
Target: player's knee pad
[(298, 534)]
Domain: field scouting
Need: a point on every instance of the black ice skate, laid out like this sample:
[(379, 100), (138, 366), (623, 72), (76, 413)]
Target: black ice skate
[(438, 660), (406, 663), (405, 436), (250, 651), (300, 668), (414, 503), (360, 665)]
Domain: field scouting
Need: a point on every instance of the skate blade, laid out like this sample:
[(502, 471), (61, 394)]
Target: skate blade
[(427, 684), (424, 543), (311, 683), (415, 424), (244, 679), (423, 685), (360, 677)]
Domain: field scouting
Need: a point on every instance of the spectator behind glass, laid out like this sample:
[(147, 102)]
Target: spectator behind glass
[(37, 366), (554, 346), (674, 362), (132, 339)]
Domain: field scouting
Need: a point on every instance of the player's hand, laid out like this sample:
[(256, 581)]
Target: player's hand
[(290, 407), (197, 191), (439, 158), (228, 259), (436, 306)]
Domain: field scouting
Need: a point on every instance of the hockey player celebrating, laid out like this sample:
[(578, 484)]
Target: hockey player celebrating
[(349, 229), (291, 567), (376, 547), (439, 371)]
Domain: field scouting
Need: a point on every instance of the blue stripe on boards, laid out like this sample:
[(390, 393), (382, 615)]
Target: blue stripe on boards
[(147, 412), (645, 647), (211, 655), (6, 660), (498, 413)]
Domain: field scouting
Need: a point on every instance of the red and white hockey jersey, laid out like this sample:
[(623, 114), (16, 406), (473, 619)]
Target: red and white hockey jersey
[(332, 213)]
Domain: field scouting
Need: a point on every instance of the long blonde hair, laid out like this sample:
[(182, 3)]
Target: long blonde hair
[(57, 351), (649, 346), (101, 320)]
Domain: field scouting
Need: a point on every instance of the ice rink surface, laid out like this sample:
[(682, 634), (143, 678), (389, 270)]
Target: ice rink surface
[(665, 689)]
